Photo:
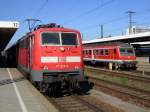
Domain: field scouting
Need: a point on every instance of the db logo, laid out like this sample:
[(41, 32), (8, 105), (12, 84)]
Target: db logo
[(62, 59)]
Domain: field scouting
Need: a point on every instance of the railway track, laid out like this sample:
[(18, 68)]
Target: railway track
[(129, 75), (138, 96), (73, 103)]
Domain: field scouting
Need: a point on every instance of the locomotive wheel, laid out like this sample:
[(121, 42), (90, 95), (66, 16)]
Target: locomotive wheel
[(49, 90), (58, 86), (84, 87), (54, 89), (74, 85), (134, 68)]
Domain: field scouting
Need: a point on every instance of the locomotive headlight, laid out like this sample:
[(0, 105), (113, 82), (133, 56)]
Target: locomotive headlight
[(62, 49), (45, 67)]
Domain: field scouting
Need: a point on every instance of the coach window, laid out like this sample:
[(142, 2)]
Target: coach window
[(96, 52), (69, 39), (50, 39), (89, 52), (115, 50), (101, 52), (122, 51), (83, 51), (86, 52), (106, 51), (130, 51)]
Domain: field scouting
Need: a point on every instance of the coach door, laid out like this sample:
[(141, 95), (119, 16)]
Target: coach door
[(115, 53), (92, 54)]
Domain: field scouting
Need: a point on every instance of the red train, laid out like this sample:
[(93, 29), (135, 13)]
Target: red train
[(120, 55), (52, 56)]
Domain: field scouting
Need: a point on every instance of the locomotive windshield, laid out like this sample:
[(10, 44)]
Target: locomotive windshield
[(50, 39), (59, 39), (69, 39), (126, 51)]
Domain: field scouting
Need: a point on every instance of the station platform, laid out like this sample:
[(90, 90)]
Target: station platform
[(18, 95)]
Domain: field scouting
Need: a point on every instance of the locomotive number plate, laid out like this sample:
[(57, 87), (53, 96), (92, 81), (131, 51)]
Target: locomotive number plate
[(62, 59)]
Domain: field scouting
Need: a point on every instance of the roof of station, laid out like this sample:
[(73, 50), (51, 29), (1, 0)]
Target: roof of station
[(7, 30), (140, 37)]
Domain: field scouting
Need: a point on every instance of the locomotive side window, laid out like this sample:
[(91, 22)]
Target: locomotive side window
[(50, 39), (23, 44), (69, 39), (130, 51)]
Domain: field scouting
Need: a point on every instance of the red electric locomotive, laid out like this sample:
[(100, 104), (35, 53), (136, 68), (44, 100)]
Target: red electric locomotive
[(52, 55), (120, 55)]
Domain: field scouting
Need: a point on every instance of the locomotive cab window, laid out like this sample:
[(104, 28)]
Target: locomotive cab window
[(130, 50), (69, 39), (122, 50), (50, 39)]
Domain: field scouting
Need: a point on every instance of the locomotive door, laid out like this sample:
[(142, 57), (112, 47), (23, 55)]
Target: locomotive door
[(29, 52)]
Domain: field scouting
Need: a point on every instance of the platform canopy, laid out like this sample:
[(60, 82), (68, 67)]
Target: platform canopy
[(7, 30), (140, 37)]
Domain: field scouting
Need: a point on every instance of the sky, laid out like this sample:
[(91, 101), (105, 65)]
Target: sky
[(87, 16)]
